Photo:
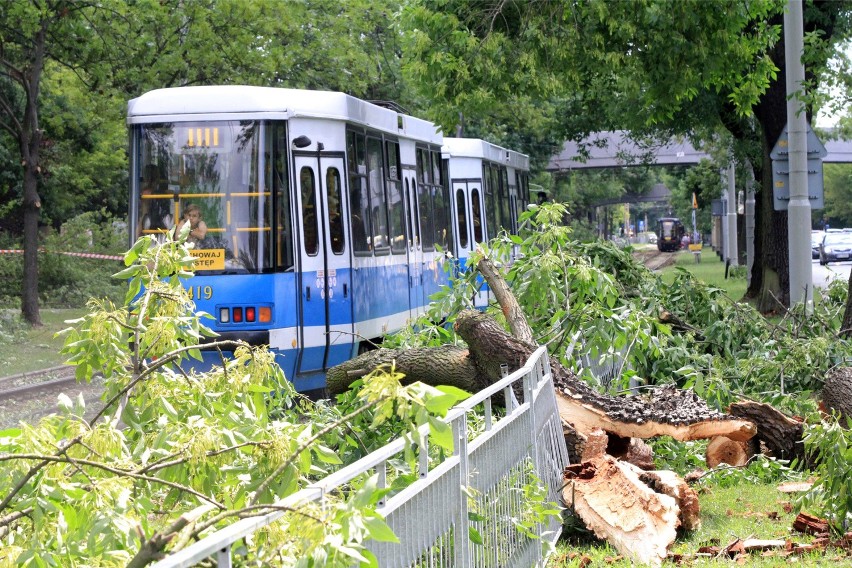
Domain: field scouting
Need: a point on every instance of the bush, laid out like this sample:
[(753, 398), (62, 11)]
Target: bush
[(67, 281)]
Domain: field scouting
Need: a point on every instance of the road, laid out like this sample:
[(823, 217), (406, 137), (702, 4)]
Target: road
[(823, 275)]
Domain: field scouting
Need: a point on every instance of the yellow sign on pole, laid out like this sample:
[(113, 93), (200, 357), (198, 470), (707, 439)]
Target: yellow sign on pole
[(694, 201)]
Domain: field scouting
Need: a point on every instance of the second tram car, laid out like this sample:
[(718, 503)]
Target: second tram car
[(325, 215), (489, 188), (670, 231)]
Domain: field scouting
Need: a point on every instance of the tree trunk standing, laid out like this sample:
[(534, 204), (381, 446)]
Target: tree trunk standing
[(771, 271), (32, 209), (837, 392), (29, 137), (770, 278)]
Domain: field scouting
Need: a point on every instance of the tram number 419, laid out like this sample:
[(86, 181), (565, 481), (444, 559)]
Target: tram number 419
[(200, 292)]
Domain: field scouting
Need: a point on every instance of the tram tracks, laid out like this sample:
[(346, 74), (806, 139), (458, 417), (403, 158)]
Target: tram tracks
[(30, 396), (34, 380)]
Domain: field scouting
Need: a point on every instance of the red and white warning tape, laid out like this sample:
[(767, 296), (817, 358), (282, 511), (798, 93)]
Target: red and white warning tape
[(78, 254)]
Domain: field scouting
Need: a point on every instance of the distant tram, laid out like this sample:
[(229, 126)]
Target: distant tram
[(670, 231), (326, 215)]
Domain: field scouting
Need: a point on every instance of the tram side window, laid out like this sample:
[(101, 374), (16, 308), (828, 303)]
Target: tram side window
[(476, 214), (277, 180), (505, 204), (415, 222), (490, 205), (436, 168), (519, 200), (377, 194), (396, 205), (440, 209), (309, 210), (461, 211), (359, 198), (335, 213), (427, 217)]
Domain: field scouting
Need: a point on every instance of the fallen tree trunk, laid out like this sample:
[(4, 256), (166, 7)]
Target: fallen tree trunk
[(667, 411), (445, 365)]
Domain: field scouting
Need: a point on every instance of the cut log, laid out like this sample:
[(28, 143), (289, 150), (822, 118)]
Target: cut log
[(837, 392), (722, 449), (781, 434), (616, 505)]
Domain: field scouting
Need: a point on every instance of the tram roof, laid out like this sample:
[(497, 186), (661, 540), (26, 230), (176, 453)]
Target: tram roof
[(237, 102), (477, 148)]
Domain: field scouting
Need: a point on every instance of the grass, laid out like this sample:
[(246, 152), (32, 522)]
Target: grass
[(711, 270), (745, 510), (24, 348)]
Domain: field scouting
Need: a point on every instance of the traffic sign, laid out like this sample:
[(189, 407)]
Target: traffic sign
[(815, 147), (781, 171)]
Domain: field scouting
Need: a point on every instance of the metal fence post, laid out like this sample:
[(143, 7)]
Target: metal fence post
[(460, 534)]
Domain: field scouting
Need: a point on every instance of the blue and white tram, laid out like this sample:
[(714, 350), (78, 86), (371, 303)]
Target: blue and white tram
[(323, 213), (490, 188)]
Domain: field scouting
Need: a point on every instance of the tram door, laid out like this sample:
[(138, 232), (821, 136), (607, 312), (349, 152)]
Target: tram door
[(416, 295), (325, 292), (470, 224)]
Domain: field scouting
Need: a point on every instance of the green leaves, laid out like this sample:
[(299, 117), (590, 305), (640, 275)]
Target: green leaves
[(829, 445)]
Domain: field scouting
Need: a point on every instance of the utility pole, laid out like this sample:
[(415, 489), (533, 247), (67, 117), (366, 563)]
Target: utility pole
[(749, 219), (799, 207), (731, 249)]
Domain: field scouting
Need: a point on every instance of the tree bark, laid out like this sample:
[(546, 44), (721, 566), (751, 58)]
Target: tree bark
[(781, 434), (446, 365), (29, 139), (837, 392)]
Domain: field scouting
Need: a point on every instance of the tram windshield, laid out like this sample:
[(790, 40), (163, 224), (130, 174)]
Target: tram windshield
[(210, 174), (667, 229)]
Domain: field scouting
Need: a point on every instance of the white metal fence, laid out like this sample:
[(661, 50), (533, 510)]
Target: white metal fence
[(486, 474)]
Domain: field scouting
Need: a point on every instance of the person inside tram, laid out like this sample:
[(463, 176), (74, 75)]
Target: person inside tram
[(198, 228)]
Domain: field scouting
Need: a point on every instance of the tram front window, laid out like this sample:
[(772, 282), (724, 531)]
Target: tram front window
[(213, 166)]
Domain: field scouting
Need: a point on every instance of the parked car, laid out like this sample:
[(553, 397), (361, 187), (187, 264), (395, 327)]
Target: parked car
[(835, 247), (816, 240)]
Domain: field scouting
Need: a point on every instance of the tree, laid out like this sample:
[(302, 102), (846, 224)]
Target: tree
[(28, 40), (652, 67), (61, 50)]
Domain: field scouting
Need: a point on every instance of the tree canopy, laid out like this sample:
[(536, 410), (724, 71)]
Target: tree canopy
[(651, 67)]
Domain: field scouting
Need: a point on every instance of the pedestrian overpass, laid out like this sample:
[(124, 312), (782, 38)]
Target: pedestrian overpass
[(616, 149)]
